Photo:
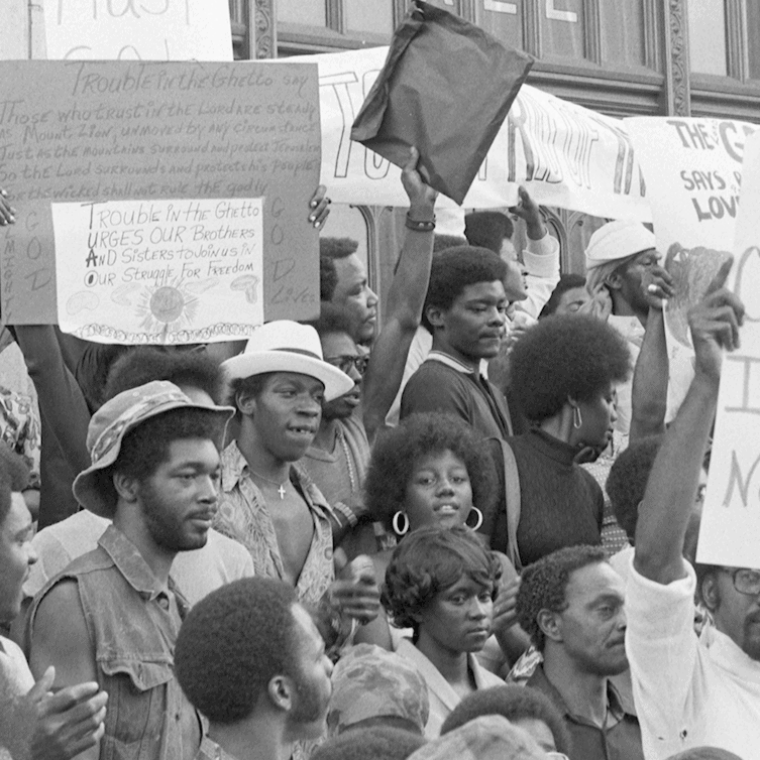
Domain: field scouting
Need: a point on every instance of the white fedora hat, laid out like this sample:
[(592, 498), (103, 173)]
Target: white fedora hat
[(616, 241), (287, 346)]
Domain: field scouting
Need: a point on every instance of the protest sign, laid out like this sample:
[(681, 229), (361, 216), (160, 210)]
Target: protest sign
[(566, 155), (158, 30), (730, 525), (159, 271), (83, 132), (693, 170)]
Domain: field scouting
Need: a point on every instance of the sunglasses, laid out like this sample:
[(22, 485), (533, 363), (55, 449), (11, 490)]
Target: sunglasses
[(345, 363)]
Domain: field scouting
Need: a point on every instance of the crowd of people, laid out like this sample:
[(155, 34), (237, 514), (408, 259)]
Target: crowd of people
[(466, 532)]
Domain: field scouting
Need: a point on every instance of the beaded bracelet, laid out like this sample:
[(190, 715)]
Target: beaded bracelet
[(347, 512), (419, 226)]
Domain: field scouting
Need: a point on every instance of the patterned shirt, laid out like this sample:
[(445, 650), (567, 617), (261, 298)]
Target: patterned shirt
[(20, 430), (243, 515), (210, 750)]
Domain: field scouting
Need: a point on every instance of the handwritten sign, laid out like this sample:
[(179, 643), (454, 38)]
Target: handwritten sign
[(730, 524), (158, 30), (566, 155), (180, 271), (81, 132), (693, 170)]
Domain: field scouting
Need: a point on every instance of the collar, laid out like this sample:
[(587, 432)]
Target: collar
[(731, 657), (210, 750), (551, 447), (455, 364), (614, 703), (131, 564)]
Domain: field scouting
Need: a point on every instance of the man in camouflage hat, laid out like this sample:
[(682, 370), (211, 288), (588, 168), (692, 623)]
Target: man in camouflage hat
[(372, 687), (113, 615)]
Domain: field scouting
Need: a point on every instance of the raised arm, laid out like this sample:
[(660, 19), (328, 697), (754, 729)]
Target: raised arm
[(649, 394), (406, 298), (669, 498)]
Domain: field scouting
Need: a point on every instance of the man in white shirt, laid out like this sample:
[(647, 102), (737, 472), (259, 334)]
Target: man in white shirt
[(692, 691)]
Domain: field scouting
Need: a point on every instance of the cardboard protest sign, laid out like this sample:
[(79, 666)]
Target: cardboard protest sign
[(566, 155), (82, 132), (159, 30), (159, 271), (446, 88), (693, 169), (730, 526)]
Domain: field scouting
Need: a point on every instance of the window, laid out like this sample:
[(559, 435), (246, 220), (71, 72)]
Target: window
[(314, 25), (707, 37)]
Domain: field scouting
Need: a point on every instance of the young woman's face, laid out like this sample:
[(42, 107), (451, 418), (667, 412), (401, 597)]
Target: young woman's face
[(458, 619), (439, 491), (598, 419)]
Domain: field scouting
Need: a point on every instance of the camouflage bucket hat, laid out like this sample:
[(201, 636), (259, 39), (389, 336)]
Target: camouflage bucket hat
[(370, 682), (113, 421)]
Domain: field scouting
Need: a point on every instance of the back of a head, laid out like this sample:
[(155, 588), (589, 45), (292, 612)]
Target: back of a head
[(379, 743), (705, 753), (627, 481), (574, 355), (454, 269), (489, 737), (232, 643), (371, 683), (515, 703), (181, 367), (487, 229)]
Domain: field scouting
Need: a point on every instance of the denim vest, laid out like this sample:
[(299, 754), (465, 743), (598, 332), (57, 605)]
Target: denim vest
[(133, 628)]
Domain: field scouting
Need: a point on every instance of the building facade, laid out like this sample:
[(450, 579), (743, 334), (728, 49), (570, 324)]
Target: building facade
[(618, 57)]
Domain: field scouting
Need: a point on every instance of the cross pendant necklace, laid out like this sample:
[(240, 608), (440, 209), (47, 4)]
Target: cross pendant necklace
[(280, 490)]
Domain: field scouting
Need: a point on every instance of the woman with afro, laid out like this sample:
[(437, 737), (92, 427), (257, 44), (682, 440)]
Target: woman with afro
[(432, 470), (563, 373)]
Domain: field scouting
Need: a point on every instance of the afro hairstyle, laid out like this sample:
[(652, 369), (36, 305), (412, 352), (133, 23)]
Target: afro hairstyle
[(515, 703), (377, 743), (487, 229), (627, 481), (14, 477), (398, 450), (453, 270), (566, 282), (233, 642), (570, 356), (544, 583), (328, 278), (181, 367), (430, 560), (337, 248)]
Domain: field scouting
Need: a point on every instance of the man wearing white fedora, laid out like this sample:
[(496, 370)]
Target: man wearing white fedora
[(267, 501)]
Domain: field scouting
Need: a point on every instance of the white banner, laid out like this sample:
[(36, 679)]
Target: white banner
[(730, 527), (566, 155), (146, 30), (159, 271)]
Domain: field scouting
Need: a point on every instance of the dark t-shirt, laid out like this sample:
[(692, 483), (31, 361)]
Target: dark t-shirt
[(437, 387)]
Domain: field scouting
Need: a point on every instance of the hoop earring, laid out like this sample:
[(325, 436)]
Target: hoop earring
[(480, 518), (577, 418), (394, 522)]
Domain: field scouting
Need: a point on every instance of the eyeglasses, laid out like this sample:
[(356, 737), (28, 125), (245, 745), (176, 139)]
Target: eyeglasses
[(745, 581), (345, 363)]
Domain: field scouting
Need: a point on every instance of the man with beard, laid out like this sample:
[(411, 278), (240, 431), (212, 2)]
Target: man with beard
[(113, 615), (571, 602), (251, 660), (692, 691)]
